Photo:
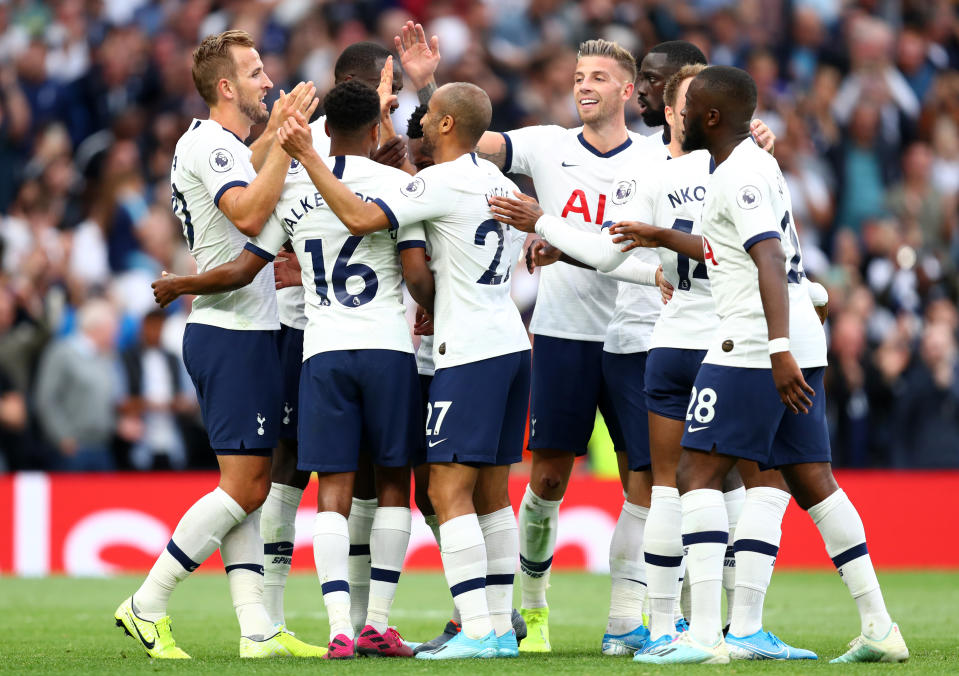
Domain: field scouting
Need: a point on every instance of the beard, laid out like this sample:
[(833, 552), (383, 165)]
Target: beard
[(695, 135), (253, 111), (654, 118)]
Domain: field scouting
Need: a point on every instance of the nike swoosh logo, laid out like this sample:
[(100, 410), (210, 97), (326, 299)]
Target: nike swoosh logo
[(284, 548), (569, 165), (149, 644), (692, 429), (436, 443)]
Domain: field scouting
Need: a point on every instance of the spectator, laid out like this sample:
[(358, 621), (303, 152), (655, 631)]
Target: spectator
[(157, 394), (927, 408), (77, 391)]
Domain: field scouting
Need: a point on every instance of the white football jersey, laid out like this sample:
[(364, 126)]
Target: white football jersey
[(747, 201), (208, 161), (290, 301), (472, 258), (671, 194), (572, 180), (354, 300), (637, 306)]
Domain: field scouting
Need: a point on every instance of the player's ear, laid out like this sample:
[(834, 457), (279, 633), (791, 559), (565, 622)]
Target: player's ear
[(712, 117), (670, 116), (628, 91), (225, 88), (375, 134), (446, 124), (326, 128)]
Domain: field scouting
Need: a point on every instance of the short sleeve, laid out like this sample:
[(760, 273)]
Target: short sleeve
[(749, 206), (526, 146), (270, 240), (221, 166), (416, 198), (411, 236)]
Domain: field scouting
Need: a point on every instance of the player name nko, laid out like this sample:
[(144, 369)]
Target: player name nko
[(687, 194)]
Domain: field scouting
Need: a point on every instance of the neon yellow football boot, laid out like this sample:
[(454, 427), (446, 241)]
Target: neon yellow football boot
[(281, 644), (155, 637), (537, 627)]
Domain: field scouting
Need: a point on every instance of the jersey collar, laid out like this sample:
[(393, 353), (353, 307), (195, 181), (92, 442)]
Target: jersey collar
[(618, 149)]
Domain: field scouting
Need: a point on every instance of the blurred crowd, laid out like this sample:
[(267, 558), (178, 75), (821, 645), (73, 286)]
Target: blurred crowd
[(862, 95)]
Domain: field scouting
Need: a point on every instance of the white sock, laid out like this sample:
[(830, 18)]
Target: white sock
[(734, 500), (538, 522), (331, 549), (842, 531), (685, 597), (360, 524), (705, 534), (663, 544), (389, 539), (464, 562), (242, 552), (278, 529), (199, 533), (682, 608), (433, 522), (502, 552), (627, 570), (756, 545)]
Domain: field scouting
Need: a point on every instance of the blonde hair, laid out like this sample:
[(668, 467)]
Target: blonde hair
[(676, 79), (212, 61), (610, 50)]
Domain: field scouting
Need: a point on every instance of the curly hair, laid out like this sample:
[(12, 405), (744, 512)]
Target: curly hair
[(672, 84), (351, 106), (414, 126)]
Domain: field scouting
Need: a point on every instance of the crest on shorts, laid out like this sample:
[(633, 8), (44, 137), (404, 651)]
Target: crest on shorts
[(749, 197), (624, 191), (415, 188), (221, 160)]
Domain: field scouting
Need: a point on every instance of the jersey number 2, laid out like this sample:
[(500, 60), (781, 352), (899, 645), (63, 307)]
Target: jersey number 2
[(491, 275), (342, 271)]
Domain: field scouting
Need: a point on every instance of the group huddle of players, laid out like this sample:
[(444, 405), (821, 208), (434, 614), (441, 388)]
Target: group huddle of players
[(672, 297)]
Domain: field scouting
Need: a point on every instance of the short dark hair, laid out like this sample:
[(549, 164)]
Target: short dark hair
[(734, 86), (359, 59), (414, 126), (351, 106), (679, 53), (470, 107)]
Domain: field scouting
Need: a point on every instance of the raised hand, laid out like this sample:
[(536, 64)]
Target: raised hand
[(387, 98), (301, 98), (521, 212), (295, 136), (418, 57)]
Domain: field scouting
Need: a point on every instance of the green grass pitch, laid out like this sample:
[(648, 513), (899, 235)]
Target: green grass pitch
[(64, 625)]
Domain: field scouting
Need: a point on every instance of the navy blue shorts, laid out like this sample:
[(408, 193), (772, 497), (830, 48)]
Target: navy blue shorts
[(670, 376), (567, 387), (477, 411), (289, 343), (357, 401), (425, 381), (237, 379), (738, 412), (625, 375)]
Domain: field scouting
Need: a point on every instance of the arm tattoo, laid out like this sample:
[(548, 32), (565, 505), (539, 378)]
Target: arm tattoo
[(498, 157), (426, 92)]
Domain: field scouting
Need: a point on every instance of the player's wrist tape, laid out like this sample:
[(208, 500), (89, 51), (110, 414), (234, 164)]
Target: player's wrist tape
[(778, 345)]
